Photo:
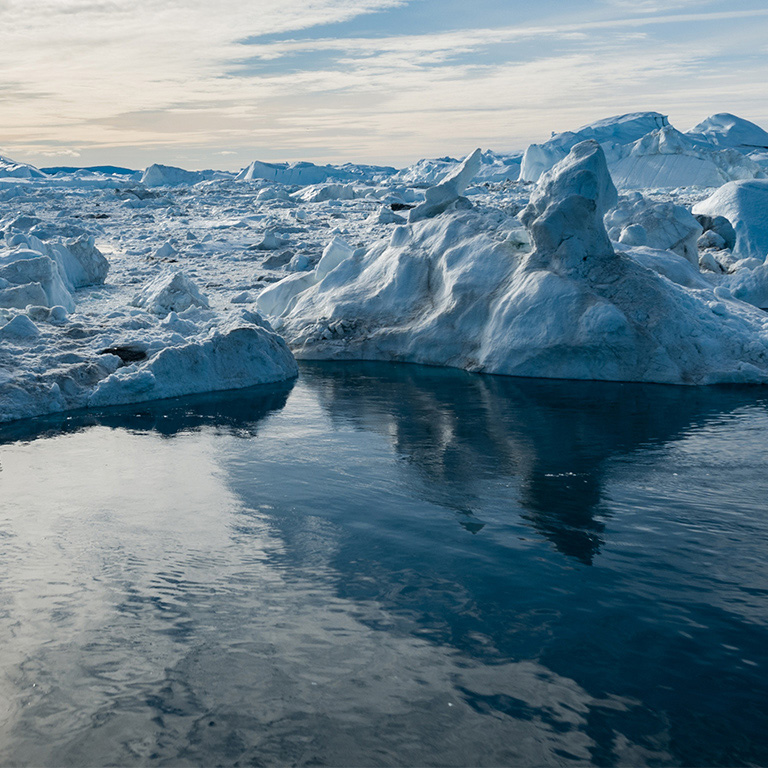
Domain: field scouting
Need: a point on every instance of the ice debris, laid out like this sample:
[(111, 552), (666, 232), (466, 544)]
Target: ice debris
[(171, 291), (636, 220), (449, 191)]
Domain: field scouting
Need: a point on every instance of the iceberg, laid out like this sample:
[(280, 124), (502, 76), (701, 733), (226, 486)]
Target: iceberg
[(449, 191), (745, 205), (461, 289), (728, 131), (618, 130), (13, 170), (171, 291), (644, 151), (40, 372), (660, 225), (169, 176), (304, 173)]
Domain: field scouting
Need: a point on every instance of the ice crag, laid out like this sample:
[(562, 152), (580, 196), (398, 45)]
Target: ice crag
[(462, 289)]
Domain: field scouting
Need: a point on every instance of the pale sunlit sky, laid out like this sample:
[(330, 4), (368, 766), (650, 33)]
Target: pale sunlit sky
[(206, 83)]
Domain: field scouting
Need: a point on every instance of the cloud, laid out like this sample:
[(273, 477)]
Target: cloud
[(175, 79)]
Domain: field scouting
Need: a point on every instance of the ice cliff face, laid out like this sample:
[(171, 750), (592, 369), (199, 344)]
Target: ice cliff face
[(462, 290)]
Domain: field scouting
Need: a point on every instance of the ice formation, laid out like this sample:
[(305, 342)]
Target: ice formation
[(447, 291), (45, 273), (494, 168), (11, 169), (47, 367), (644, 151), (619, 130), (661, 225), (169, 292), (303, 173), (449, 191), (667, 159), (745, 205), (729, 131), (330, 254)]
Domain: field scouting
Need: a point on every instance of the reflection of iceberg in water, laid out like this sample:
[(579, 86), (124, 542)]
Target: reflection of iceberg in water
[(237, 412), (554, 438)]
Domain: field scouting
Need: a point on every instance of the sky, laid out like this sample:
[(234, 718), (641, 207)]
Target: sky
[(219, 83)]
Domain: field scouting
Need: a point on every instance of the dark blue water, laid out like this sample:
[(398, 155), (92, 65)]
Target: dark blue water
[(389, 565)]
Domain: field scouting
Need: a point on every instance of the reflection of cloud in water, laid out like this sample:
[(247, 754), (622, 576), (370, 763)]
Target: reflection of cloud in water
[(554, 438), (145, 630)]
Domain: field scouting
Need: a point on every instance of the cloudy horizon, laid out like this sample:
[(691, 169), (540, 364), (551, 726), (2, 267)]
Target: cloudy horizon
[(201, 84)]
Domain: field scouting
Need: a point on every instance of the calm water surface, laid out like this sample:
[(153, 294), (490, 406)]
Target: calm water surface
[(389, 565)]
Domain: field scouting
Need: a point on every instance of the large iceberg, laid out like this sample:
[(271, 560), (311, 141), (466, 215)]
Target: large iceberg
[(170, 176), (11, 169), (462, 289), (304, 173), (46, 273), (619, 130), (644, 151), (667, 158), (494, 167), (728, 131)]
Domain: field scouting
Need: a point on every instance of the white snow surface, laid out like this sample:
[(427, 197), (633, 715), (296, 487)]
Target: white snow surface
[(454, 290)]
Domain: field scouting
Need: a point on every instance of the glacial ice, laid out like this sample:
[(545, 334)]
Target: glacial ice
[(451, 291), (170, 291), (725, 130), (661, 225)]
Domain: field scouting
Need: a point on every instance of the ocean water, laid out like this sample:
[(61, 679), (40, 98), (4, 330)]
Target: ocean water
[(389, 565)]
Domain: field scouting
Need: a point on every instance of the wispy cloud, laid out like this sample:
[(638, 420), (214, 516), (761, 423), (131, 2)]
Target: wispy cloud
[(172, 80)]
